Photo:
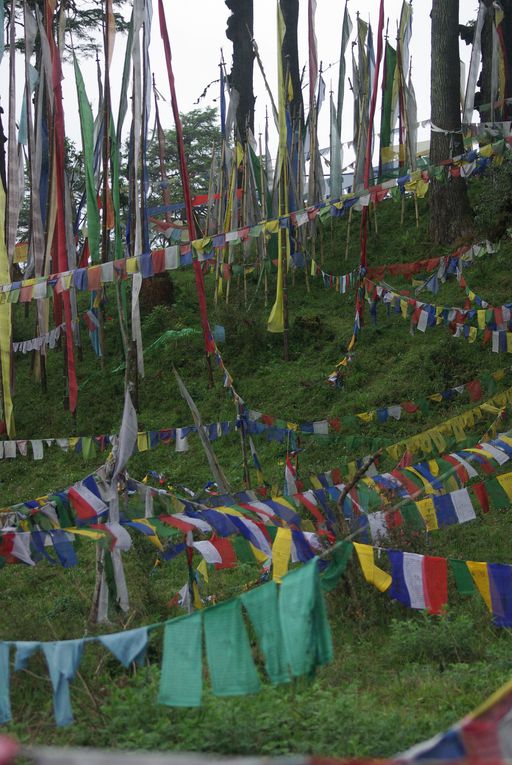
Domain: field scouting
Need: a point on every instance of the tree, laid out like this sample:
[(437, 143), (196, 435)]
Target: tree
[(200, 133), (240, 30), (450, 212), (84, 19), (290, 53)]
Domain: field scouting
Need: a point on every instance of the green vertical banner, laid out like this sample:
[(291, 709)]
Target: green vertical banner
[(345, 36), (387, 117), (87, 130)]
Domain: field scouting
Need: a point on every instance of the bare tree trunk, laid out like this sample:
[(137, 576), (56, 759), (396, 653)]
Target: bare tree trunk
[(450, 212), (240, 30)]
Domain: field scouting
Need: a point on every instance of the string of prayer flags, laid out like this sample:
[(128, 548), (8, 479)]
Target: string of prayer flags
[(294, 641), (255, 423), (170, 258), (421, 581)]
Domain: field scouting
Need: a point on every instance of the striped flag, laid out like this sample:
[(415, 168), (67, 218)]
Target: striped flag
[(419, 581)]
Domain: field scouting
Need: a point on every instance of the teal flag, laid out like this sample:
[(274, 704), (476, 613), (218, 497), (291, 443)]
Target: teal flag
[(230, 662), (262, 607), (181, 679), (306, 631)]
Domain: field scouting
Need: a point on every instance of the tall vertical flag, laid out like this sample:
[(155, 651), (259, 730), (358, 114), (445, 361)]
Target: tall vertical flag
[(402, 67), (208, 338), (60, 233), (313, 51), (361, 76), (474, 66), (5, 311), (276, 319), (412, 122), (387, 121), (345, 36), (335, 155), (87, 130), (336, 150)]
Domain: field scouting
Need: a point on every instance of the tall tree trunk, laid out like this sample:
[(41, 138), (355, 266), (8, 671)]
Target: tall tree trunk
[(450, 212), (240, 30), (290, 53)]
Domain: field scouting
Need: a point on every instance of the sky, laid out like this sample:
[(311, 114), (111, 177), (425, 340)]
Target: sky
[(197, 36)]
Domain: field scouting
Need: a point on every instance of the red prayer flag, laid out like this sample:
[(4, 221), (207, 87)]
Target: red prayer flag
[(435, 576), (474, 389), (226, 552), (480, 493)]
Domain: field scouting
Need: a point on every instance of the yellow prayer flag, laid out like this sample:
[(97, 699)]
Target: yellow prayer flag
[(437, 438), (458, 431), (505, 481), (422, 188), (203, 570), (428, 513), (481, 578), (131, 266), (372, 573), (5, 325), (142, 441), (281, 552), (426, 484), (272, 226), (259, 555), (473, 334), (87, 533)]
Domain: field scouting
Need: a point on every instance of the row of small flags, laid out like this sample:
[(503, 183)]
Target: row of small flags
[(421, 581)]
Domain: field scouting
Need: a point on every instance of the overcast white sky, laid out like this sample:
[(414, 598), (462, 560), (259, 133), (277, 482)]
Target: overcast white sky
[(204, 21), (197, 34)]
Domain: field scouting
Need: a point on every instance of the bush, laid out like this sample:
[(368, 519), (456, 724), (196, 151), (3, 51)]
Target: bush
[(446, 640), (494, 205)]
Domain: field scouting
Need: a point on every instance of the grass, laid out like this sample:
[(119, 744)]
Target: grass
[(398, 676)]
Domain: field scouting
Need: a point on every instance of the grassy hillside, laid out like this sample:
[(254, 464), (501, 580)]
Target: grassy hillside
[(398, 675)]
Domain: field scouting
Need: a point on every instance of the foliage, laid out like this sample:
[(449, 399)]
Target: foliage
[(493, 205), (84, 23), (201, 135)]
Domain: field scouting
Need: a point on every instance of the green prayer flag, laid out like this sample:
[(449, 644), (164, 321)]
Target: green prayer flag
[(87, 129), (423, 405), (230, 662), (304, 624), (63, 509), (387, 116), (262, 607), (181, 679), (463, 579), (242, 549), (88, 448), (489, 383), (412, 516), (497, 495), (340, 558)]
